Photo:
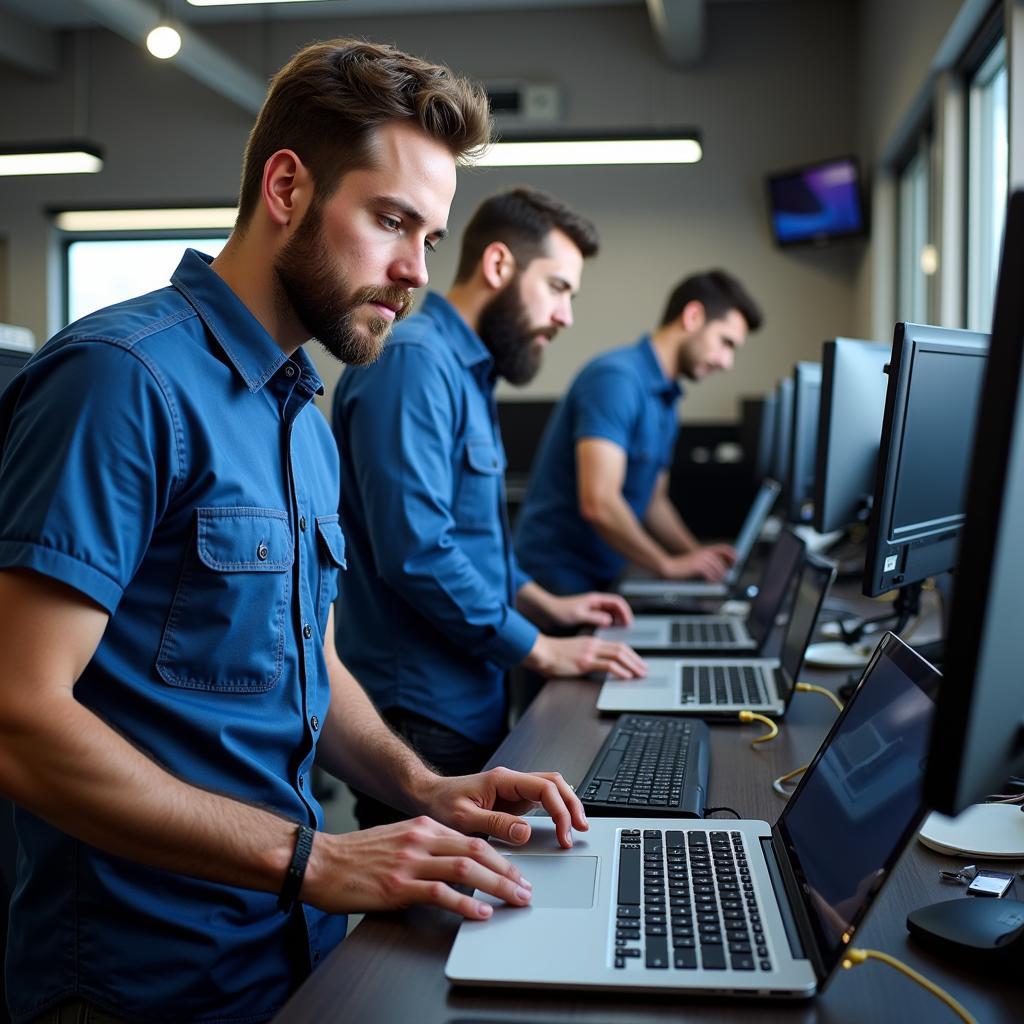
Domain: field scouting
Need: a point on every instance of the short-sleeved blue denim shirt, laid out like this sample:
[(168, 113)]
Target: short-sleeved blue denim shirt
[(622, 396), (163, 457)]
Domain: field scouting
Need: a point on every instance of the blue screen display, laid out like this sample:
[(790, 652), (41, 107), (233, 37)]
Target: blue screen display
[(817, 203)]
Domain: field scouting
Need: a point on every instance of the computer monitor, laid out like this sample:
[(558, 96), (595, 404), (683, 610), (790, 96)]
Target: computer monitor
[(757, 434), (978, 735), (803, 442), (783, 430), (11, 361), (522, 427), (853, 383), (924, 454)]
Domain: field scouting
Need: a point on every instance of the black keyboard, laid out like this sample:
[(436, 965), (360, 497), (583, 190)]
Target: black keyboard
[(686, 899), (722, 684), (703, 634), (650, 764)]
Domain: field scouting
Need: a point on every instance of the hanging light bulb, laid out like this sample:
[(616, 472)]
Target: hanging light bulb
[(163, 42)]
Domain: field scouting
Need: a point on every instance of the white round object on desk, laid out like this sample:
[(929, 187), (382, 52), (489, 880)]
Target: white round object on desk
[(983, 830), (834, 654)]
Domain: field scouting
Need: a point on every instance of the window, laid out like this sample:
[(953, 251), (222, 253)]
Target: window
[(916, 254), (100, 272), (988, 172)]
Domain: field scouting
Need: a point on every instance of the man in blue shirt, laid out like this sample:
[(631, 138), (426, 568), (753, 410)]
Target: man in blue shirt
[(169, 553), (434, 609), (598, 490)]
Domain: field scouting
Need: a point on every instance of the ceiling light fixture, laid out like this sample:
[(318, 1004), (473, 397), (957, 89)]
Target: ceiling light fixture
[(51, 158), (682, 147), (169, 219), (163, 42)]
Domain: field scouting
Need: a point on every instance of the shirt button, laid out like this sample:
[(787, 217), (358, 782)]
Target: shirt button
[(289, 370), (302, 523), (302, 782), (315, 722), (262, 551), (307, 631)]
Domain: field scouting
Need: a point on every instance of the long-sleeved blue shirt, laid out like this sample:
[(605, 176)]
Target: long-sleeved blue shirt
[(622, 396), (426, 618), (163, 457)]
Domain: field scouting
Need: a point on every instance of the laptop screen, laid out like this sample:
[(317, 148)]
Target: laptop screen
[(752, 526), (861, 797), (776, 581), (811, 588)]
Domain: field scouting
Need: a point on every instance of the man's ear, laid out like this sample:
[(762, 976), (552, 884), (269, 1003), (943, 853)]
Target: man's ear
[(693, 316), (497, 265), (287, 188)]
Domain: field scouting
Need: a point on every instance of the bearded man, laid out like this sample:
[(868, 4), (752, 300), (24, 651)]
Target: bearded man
[(434, 609), (598, 490)]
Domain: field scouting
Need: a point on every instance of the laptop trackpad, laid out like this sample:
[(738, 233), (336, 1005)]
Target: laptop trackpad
[(567, 882)]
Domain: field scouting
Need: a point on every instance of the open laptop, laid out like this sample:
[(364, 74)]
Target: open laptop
[(745, 541), (720, 634), (736, 908), (712, 687)]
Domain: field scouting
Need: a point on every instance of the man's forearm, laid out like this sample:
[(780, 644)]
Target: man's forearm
[(617, 525), (666, 525), (359, 747)]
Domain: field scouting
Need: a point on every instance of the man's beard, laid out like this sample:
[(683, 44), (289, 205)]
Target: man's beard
[(505, 329), (321, 299)]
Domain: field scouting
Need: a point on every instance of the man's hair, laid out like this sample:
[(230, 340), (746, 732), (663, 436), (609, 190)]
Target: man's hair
[(522, 218), (719, 293), (327, 101)]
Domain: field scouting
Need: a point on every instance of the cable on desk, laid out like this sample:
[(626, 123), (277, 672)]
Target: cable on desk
[(858, 956), (777, 784), (753, 716), (814, 688)]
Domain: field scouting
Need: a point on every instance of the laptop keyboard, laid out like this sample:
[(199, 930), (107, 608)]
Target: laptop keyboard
[(722, 684), (650, 763), (702, 634), (686, 900)]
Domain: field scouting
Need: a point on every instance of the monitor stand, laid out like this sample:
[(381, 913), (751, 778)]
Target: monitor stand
[(983, 830)]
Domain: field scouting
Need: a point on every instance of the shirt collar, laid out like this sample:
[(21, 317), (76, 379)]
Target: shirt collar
[(654, 375), (465, 342), (243, 339)]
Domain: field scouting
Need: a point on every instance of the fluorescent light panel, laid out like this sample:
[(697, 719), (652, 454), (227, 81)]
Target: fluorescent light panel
[(232, 3), (591, 152), (217, 218), (31, 160)]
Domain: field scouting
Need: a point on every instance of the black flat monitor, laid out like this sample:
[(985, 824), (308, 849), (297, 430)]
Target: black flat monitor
[(522, 427), (803, 442), (757, 433), (783, 430), (11, 361), (978, 736), (924, 453), (853, 384)]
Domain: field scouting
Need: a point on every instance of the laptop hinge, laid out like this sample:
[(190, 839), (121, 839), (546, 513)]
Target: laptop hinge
[(794, 914)]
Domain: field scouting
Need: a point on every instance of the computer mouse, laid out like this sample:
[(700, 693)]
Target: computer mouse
[(972, 928)]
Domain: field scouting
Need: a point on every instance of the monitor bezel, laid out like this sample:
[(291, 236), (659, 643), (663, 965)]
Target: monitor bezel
[(940, 554), (804, 422)]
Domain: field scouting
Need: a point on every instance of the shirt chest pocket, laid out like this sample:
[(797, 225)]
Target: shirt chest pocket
[(226, 627), (478, 490), (331, 549)]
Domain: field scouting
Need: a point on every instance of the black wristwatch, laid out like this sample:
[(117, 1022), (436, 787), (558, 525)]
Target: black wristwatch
[(296, 870)]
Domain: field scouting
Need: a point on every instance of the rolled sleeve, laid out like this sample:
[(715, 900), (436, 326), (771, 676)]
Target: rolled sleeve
[(402, 422), (87, 464)]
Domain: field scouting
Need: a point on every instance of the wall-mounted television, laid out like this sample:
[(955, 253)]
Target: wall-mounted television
[(818, 203)]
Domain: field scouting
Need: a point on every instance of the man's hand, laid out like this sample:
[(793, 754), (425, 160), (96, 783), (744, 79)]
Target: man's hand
[(493, 802), (709, 563), (415, 861), (592, 609), (574, 656)]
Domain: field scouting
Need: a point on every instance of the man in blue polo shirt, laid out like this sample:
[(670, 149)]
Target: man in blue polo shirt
[(169, 553), (433, 608), (598, 490)]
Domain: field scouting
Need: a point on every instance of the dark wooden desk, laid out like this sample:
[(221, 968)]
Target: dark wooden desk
[(392, 966)]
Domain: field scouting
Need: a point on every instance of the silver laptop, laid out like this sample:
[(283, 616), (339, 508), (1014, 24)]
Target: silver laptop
[(712, 687), (720, 634), (724, 907), (748, 535)]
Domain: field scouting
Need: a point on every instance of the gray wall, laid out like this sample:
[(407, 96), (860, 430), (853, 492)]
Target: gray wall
[(782, 82)]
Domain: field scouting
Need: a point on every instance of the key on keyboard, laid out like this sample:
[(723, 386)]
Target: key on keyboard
[(721, 684)]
